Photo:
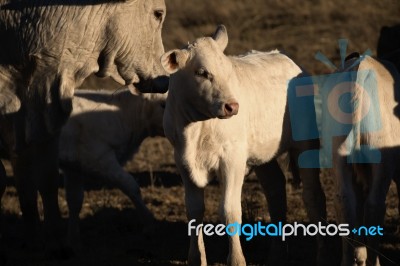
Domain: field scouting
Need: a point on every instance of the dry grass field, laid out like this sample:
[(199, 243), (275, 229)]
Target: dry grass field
[(111, 232)]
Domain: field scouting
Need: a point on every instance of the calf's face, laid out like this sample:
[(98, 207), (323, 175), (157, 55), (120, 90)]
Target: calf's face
[(202, 76)]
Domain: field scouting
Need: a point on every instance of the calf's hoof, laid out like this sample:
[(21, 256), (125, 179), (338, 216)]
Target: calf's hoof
[(58, 252), (236, 261), (360, 256), (277, 254)]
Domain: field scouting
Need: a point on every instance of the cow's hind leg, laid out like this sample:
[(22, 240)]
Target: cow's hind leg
[(314, 202), (116, 175), (73, 182), (345, 205), (2, 182), (273, 182), (130, 187), (2, 189), (3, 253), (396, 179), (375, 207)]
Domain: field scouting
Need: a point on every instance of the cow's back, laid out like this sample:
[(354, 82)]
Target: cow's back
[(92, 113), (264, 79), (388, 88)]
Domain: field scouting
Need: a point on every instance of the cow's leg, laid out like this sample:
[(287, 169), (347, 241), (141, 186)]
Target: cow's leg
[(27, 195), (2, 189), (375, 207), (3, 254), (73, 182), (115, 174), (314, 202), (128, 185), (46, 173), (396, 179), (294, 168), (194, 201), (232, 176), (2, 181), (273, 182), (345, 205)]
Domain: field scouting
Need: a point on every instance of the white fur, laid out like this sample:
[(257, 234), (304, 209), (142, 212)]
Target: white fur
[(372, 179), (105, 129), (206, 146)]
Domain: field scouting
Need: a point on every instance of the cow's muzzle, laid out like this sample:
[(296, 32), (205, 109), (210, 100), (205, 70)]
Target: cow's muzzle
[(156, 85), (229, 110)]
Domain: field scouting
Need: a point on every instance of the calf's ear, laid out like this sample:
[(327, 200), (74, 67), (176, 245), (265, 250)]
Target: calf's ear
[(221, 37), (174, 60)]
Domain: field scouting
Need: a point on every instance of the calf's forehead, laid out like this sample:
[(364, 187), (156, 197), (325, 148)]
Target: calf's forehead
[(155, 4), (206, 53)]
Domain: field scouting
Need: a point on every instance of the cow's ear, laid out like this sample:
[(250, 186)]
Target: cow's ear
[(174, 60), (221, 37)]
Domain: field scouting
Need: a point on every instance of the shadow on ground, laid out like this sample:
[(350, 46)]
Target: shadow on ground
[(113, 235)]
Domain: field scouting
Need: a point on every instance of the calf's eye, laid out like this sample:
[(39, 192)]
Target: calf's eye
[(201, 72), (158, 14)]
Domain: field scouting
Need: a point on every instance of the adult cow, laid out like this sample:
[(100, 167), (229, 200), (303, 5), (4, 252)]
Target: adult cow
[(225, 115), (360, 129), (2, 189), (2, 182), (47, 49), (388, 47)]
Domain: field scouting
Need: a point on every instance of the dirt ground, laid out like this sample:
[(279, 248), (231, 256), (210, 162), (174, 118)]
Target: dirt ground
[(111, 229)]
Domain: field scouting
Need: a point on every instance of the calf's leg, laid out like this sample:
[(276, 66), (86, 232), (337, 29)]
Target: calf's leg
[(232, 175), (194, 201), (128, 185), (273, 182)]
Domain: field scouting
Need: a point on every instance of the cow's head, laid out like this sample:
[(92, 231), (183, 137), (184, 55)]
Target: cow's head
[(134, 44), (203, 76)]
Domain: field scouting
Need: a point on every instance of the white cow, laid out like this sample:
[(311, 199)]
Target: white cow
[(2, 182), (223, 116), (367, 154), (47, 49), (104, 131)]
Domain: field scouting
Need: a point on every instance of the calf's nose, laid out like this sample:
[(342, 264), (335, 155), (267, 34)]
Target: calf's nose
[(231, 108)]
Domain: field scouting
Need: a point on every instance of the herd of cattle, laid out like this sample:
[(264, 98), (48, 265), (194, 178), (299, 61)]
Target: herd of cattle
[(224, 115)]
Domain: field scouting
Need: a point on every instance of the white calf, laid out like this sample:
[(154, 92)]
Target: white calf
[(225, 115), (104, 131)]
